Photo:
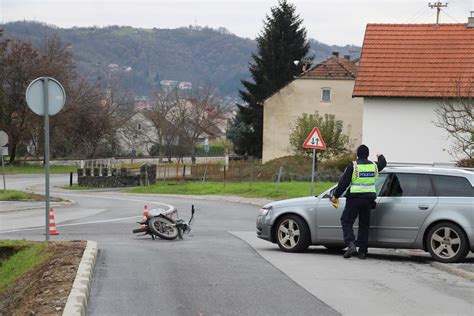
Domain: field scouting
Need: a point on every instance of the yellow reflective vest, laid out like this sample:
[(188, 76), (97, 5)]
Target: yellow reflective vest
[(363, 178)]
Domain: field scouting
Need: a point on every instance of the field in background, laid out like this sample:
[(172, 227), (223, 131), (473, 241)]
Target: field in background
[(35, 169), (270, 190)]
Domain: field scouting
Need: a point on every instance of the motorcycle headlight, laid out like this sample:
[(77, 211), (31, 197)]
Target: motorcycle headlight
[(264, 210)]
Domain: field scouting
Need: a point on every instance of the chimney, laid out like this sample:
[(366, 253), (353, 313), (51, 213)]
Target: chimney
[(347, 57), (470, 20), (335, 54)]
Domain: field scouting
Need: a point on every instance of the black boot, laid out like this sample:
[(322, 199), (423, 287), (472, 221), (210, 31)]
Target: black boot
[(351, 250), (362, 255)]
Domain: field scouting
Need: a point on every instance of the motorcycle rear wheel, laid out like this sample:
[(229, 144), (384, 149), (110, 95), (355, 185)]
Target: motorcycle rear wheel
[(163, 228)]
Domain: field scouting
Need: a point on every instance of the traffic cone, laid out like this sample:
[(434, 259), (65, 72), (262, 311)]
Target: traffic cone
[(52, 224), (145, 213)]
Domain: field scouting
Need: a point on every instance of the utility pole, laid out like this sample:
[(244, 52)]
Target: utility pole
[(438, 5)]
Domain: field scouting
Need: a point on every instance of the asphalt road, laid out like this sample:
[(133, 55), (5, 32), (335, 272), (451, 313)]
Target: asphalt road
[(223, 269), (210, 272)]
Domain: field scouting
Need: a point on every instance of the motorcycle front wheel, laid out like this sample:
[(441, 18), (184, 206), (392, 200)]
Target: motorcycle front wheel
[(163, 228)]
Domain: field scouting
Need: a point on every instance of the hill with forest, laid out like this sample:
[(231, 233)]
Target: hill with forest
[(145, 57)]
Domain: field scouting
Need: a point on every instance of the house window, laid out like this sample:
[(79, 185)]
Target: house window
[(139, 127), (326, 95)]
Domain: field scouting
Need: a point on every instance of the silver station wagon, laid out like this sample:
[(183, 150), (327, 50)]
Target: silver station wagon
[(417, 207)]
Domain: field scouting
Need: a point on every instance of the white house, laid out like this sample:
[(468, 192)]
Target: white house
[(137, 135), (406, 71)]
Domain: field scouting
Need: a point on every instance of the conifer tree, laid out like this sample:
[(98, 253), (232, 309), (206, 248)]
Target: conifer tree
[(281, 42)]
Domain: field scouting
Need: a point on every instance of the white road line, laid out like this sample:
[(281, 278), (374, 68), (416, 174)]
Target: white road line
[(114, 198), (74, 224), (170, 209)]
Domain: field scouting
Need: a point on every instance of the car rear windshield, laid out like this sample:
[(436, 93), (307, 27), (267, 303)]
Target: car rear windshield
[(452, 186)]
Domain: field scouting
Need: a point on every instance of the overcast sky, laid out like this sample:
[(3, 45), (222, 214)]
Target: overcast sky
[(330, 21)]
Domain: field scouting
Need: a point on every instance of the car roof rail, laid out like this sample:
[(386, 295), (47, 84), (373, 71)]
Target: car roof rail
[(445, 165)]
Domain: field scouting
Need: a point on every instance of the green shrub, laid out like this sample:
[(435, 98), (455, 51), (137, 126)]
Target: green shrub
[(330, 175), (339, 163), (214, 150)]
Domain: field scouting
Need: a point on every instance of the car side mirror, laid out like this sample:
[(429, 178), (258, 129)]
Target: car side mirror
[(329, 194)]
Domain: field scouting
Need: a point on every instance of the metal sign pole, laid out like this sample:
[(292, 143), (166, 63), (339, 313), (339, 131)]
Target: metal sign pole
[(40, 89), (46, 149), (3, 171), (312, 172)]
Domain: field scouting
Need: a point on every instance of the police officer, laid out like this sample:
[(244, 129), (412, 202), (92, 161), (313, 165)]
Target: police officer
[(360, 177)]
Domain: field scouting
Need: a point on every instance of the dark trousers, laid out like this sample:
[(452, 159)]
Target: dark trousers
[(357, 207)]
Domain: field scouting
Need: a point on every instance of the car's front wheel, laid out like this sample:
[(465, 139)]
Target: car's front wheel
[(292, 234), (447, 242)]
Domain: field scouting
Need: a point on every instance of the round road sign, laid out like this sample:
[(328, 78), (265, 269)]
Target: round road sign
[(35, 99), (3, 138)]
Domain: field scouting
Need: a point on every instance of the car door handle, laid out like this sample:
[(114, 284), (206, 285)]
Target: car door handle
[(423, 207)]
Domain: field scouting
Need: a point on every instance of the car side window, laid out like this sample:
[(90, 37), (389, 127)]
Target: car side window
[(380, 188), (453, 186), (406, 184)]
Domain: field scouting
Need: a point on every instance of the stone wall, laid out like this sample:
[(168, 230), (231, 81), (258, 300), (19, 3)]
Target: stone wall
[(116, 178)]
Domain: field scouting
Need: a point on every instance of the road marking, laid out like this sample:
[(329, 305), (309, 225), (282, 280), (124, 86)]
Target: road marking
[(170, 207), (73, 224)]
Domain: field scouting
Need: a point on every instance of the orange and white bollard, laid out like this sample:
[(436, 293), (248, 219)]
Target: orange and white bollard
[(52, 224)]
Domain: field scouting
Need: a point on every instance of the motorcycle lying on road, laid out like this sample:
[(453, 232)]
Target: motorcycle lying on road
[(156, 223)]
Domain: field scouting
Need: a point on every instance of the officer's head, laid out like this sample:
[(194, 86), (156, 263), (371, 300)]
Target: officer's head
[(363, 151)]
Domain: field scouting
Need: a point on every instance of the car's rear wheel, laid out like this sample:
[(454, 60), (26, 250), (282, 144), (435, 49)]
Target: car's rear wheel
[(447, 242), (292, 234)]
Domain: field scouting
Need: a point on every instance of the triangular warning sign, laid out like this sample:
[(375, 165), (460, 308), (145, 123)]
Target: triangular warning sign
[(314, 140)]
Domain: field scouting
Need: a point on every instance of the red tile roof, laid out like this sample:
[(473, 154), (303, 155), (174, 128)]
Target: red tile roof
[(416, 60), (332, 68)]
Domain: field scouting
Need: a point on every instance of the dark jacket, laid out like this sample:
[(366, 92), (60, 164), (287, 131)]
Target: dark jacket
[(346, 179)]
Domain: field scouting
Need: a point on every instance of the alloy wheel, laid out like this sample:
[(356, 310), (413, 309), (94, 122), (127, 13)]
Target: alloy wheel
[(445, 242), (288, 233)]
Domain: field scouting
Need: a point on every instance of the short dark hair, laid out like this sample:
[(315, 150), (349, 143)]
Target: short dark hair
[(363, 151)]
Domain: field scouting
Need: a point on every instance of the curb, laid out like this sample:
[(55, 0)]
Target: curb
[(447, 267), (454, 270), (78, 297)]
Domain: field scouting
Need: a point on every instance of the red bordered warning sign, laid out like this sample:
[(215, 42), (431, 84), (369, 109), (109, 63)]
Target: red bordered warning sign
[(314, 140)]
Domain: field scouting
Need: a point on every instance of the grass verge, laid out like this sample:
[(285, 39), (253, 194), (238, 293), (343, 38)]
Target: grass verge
[(33, 169), (14, 195), (257, 189), (28, 256)]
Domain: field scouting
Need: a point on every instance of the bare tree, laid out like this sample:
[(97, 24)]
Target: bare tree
[(456, 116), (90, 118), (96, 116), (19, 64), (181, 118), (198, 115), (163, 120)]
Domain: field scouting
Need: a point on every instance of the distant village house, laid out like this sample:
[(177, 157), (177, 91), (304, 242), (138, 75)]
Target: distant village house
[(326, 88)]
